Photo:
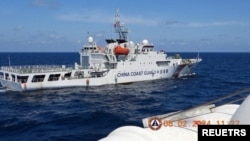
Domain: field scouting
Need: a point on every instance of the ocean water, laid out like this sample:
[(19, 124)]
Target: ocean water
[(89, 114)]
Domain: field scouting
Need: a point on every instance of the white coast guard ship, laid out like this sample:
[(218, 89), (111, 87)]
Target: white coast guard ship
[(121, 61)]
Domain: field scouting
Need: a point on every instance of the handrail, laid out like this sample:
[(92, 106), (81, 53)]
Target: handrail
[(36, 68)]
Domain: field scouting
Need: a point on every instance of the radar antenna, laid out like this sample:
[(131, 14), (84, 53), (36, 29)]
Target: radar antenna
[(119, 27)]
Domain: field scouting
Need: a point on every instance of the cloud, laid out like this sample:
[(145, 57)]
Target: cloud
[(86, 17), (55, 36), (99, 16), (141, 21), (173, 22), (100, 34), (18, 28), (206, 24), (248, 43), (226, 23), (45, 3), (173, 42), (79, 41)]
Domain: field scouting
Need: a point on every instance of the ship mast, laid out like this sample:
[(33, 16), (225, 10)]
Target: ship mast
[(119, 27)]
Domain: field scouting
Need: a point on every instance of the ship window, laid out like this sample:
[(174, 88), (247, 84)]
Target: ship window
[(67, 75), (79, 74), (13, 77), (38, 78), (1, 75), (162, 63), (7, 76), (22, 79), (54, 77)]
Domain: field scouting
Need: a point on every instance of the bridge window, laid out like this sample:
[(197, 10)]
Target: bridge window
[(38, 78), (54, 77), (22, 79)]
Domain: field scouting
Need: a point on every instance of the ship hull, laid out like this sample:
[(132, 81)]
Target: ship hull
[(113, 76)]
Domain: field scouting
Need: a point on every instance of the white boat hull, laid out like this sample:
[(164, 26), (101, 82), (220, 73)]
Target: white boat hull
[(113, 76), (183, 125)]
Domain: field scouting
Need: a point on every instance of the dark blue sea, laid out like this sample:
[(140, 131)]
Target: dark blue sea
[(89, 114)]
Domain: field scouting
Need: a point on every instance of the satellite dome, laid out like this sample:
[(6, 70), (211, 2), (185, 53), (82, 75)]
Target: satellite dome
[(145, 42), (90, 39)]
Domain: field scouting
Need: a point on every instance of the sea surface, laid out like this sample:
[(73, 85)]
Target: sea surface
[(89, 114)]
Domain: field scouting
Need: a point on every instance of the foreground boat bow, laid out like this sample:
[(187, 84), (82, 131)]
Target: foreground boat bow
[(183, 125)]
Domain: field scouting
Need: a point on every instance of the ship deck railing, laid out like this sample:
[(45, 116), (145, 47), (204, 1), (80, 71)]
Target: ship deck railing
[(36, 68)]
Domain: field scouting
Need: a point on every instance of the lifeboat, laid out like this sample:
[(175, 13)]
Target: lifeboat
[(119, 50)]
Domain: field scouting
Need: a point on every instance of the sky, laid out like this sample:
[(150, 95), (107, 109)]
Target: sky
[(171, 25)]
